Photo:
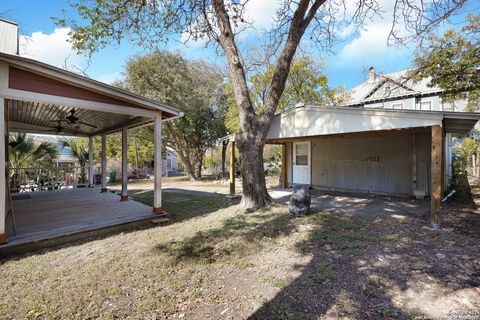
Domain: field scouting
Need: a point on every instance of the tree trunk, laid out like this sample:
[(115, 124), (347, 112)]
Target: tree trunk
[(253, 129), (254, 191)]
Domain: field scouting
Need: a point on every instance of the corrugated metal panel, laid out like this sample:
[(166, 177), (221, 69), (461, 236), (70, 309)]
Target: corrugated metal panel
[(8, 37), (45, 116), (367, 164)]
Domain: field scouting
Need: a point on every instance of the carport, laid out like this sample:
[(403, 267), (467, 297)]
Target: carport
[(42, 99), (375, 151)]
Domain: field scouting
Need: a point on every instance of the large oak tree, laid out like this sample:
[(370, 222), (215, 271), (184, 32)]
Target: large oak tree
[(220, 21)]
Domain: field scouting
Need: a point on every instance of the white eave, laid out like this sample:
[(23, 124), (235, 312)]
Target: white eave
[(308, 121)]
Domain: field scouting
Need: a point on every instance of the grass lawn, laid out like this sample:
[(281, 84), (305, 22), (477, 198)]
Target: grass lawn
[(183, 206), (214, 263)]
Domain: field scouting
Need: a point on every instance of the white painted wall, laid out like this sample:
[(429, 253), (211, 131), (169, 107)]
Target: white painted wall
[(312, 121)]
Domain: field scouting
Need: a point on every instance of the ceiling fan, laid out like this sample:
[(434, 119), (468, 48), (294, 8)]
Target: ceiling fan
[(71, 119)]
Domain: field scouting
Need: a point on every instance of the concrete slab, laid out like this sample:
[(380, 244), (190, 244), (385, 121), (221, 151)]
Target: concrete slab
[(359, 204)]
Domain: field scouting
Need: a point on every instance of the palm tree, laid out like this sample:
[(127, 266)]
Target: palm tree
[(22, 151), (80, 153)]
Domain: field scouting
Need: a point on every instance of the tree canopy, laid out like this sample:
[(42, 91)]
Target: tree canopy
[(306, 83), (453, 63), (194, 87)]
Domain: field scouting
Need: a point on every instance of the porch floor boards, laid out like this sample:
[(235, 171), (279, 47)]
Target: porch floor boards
[(50, 214)]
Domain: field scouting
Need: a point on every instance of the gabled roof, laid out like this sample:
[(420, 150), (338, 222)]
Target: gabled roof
[(364, 91), (77, 80)]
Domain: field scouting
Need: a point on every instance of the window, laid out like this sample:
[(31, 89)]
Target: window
[(426, 105), (301, 154), (397, 105)]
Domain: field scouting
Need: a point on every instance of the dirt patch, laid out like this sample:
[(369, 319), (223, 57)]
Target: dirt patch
[(264, 265)]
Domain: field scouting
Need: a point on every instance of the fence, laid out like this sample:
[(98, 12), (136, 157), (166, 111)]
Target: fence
[(39, 179)]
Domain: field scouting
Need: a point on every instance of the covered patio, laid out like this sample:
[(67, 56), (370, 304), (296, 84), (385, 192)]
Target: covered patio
[(42, 99)]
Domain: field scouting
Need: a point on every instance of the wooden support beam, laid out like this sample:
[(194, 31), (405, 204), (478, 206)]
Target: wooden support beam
[(436, 175), (124, 196), (283, 172), (232, 169), (104, 162)]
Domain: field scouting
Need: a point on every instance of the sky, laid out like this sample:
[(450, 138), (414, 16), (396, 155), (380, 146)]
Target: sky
[(355, 52)]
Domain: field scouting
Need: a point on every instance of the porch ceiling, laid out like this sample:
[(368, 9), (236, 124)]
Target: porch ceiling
[(35, 117)]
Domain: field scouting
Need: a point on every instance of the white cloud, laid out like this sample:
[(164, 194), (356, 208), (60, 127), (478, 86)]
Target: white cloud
[(371, 42), (261, 12), (51, 48)]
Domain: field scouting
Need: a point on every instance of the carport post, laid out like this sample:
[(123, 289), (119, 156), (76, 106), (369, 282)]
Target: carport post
[(157, 163), (283, 175), (124, 196), (104, 162), (3, 184), (436, 175), (232, 168), (91, 182)]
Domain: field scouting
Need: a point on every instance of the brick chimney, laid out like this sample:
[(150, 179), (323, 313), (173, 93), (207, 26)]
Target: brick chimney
[(8, 37), (371, 75)]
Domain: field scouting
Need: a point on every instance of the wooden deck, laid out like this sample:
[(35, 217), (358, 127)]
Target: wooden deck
[(48, 215)]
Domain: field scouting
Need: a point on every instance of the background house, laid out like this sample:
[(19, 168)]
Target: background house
[(64, 158), (398, 91)]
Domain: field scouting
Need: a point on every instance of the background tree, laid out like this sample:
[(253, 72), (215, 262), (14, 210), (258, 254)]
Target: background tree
[(194, 87), (78, 149), (453, 63), (306, 83), (220, 21), (23, 152)]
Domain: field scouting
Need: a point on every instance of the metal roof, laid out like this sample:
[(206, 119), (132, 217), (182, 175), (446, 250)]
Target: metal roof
[(360, 94)]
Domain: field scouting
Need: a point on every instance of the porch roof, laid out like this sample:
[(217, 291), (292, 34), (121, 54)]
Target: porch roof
[(312, 120), (40, 96)]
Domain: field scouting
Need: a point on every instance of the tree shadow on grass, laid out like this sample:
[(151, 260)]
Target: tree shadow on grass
[(360, 267), (372, 268), (238, 236)]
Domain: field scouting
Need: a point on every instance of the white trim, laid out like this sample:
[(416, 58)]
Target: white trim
[(124, 161), (91, 181), (425, 101), (398, 103), (309, 162), (157, 162), (104, 160), (3, 184)]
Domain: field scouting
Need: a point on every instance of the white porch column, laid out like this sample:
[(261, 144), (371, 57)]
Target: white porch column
[(91, 182), (3, 176), (104, 162), (157, 180), (124, 196)]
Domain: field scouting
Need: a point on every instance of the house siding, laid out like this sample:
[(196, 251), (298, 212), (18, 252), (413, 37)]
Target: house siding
[(366, 164), (377, 164)]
